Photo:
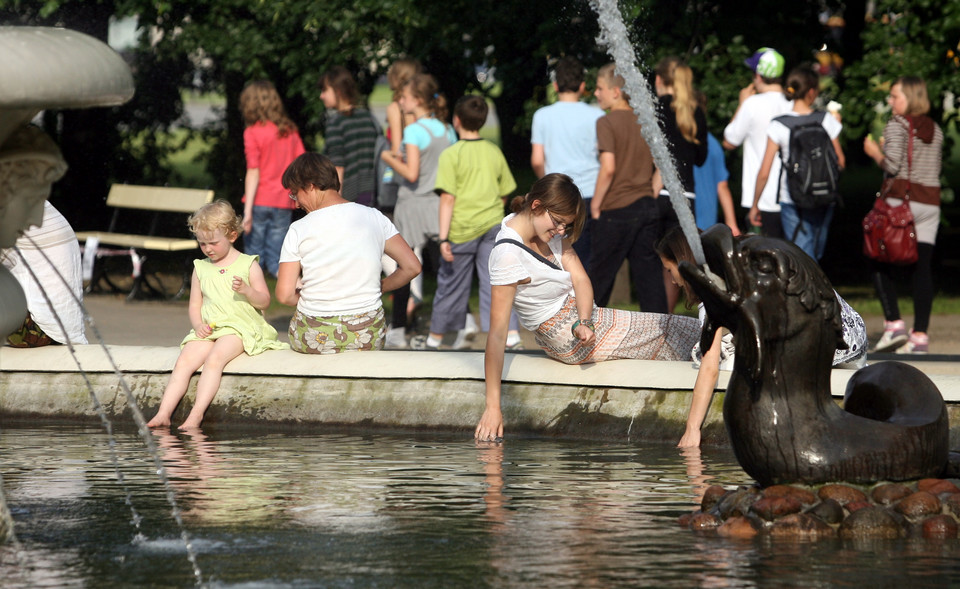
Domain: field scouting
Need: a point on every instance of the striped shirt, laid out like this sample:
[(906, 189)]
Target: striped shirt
[(923, 170), (350, 142)]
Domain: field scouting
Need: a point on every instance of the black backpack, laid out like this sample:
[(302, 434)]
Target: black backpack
[(812, 168)]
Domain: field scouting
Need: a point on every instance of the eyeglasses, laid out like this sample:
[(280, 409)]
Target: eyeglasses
[(558, 225), (293, 194)]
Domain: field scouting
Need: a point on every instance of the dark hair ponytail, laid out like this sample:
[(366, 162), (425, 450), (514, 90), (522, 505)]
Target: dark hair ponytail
[(801, 80)]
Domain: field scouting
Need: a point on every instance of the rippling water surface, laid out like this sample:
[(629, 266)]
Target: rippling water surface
[(305, 509)]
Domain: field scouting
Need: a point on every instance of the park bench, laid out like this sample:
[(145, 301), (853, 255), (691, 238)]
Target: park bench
[(160, 204)]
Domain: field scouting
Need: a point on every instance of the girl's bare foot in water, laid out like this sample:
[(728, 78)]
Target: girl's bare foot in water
[(158, 421), (189, 425)]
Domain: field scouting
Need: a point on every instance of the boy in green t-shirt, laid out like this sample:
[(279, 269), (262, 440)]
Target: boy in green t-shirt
[(472, 180)]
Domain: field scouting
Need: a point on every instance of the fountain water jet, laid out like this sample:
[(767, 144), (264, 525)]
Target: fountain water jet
[(613, 34), (57, 68)]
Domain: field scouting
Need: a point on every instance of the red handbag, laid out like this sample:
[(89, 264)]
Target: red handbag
[(889, 233)]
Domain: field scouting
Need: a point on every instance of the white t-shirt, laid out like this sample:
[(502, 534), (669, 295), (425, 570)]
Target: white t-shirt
[(542, 297), (568, 133), (58, 261), (780, 134), (749, 128), (339, 250)]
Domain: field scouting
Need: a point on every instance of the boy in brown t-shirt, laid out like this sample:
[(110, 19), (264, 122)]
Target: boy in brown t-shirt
[(623, 207)]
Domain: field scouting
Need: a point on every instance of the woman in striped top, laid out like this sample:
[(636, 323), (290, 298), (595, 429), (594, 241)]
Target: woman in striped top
[(910, 155)]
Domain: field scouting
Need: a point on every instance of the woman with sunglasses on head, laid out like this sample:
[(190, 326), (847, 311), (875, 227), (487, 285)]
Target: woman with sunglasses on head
[(534, 269), (330, 264)]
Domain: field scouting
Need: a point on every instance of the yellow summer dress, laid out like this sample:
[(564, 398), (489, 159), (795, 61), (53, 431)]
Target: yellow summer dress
[(229, 312)]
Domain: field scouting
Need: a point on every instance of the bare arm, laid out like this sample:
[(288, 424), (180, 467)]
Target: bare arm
[(256, 291), (657, 181), (841, 158), (395, 124), (408, 266), (501, 303), (250, 183), (725, 197), (582, 291), (447, 201), (409, 169), (873, 150), (288, 283), (762, 177), (702, 393), (200, 327), (608, 165), (538, 160)]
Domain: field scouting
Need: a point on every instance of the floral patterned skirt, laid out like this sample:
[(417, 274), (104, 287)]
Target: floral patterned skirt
[(29, 335), (620, 335), (338, 333)]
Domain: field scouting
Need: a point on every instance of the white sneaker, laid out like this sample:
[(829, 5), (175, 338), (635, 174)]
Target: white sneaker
[(470, 329), (396, 339), (422, 342)]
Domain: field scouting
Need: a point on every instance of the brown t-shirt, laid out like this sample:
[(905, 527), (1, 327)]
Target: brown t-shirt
[(619, 132)]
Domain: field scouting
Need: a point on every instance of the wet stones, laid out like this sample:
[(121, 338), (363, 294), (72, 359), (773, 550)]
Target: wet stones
[(918, 504), (890, 493), (871, 522), (929, 508)]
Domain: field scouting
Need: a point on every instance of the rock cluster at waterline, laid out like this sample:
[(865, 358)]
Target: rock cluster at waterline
[(929, 508)]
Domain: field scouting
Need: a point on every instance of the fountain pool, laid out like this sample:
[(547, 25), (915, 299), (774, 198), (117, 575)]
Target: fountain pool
[(311, 508)]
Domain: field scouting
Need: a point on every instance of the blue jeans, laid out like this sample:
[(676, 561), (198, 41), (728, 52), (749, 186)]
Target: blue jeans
[(807, 228), (265, 238)]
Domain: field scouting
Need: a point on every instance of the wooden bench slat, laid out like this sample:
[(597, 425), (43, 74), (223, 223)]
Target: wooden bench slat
[(167, 244), (158, 198)]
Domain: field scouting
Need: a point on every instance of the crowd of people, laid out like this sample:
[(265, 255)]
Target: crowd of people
[(548, 266)]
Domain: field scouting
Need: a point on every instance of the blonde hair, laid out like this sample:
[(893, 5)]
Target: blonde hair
[(400, 72), (608, 74), (424, 87), (915, 90), (260, 103), (218, 214), (679, 77)]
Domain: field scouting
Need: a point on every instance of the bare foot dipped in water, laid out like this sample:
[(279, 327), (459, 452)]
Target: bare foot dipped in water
[(159, 421), (189, 425)]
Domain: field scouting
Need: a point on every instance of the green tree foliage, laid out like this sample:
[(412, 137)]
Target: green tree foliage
[(902, 37), (218, 45)]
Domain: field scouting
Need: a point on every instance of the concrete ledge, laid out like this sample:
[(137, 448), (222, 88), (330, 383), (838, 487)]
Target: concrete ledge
[(624, 399)]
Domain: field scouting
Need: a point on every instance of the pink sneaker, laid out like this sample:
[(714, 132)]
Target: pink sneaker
[(894, 336), (916, 344)]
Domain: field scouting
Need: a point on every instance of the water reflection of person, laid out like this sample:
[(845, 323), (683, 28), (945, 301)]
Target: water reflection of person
[(192, 464), (695, 472), (491, 455)]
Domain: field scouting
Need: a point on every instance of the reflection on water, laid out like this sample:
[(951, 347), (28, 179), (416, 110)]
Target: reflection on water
[(375, 510)]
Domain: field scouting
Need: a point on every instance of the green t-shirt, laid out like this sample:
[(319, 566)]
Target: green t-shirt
[(475, 172)]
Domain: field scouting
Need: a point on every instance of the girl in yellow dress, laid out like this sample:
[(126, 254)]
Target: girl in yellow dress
[(227, 294)]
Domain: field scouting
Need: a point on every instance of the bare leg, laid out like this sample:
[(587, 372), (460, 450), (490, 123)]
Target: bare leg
[(191, 358), (224, 350)]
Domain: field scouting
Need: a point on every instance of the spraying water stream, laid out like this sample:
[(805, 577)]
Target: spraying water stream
[(613, 35), (142, 428)]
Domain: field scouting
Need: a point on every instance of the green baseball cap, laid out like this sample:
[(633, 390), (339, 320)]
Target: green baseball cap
[(767, 62)]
